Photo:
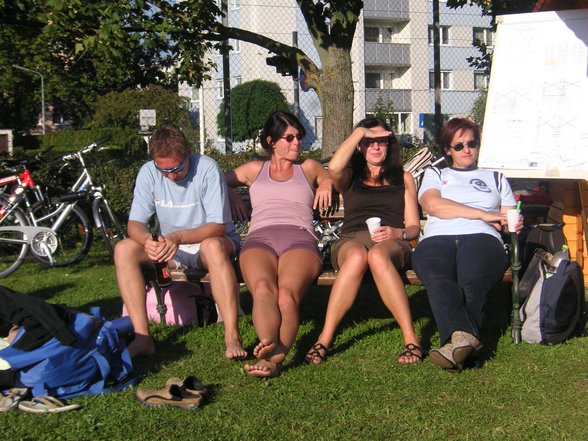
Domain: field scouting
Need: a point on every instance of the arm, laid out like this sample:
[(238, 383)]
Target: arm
[(433, 203), (243, 175), (412, 221), (321, 179), (338, 164)]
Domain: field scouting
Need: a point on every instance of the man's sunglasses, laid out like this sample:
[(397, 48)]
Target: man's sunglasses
[(175, 169), (290, 137), (472, 143)]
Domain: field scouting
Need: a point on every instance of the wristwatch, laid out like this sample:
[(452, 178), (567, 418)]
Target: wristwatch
[(404, 236)]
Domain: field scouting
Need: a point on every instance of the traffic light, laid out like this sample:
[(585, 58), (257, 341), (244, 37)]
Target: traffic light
[(284, 66)]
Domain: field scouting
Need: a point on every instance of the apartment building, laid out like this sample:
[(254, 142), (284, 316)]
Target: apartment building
[(392, 63)]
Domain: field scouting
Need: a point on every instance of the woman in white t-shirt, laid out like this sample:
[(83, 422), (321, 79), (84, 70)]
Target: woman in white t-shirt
[(461, 256)]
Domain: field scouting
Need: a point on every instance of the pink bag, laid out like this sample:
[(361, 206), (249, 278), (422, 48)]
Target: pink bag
[(180, 299)]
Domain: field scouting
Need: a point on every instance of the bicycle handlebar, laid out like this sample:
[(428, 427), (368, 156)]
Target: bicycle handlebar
[(87, 149)]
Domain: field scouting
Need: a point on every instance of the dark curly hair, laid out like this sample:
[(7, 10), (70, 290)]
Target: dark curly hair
[(275, 126), (391, 170)]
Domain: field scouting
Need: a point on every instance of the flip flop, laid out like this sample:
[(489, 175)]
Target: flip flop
[(46, 404), (12, 398), (170, 395)]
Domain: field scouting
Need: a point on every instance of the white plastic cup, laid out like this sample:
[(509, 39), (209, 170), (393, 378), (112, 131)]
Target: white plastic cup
[(513, 217), (373, 223)]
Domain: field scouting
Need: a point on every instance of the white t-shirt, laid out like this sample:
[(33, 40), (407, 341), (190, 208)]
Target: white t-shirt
[(201, 197), (483, 189)]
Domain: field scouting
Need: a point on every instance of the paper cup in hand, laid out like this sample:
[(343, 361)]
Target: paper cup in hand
[(512, 216), (373, 223)]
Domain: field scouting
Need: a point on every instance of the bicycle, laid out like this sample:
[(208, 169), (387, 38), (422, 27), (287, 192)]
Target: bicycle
[(56, 230)]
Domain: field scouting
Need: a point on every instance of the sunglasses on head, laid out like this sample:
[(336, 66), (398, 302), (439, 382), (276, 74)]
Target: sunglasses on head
[(291, 137), (472, 144), (366, 142), (175, 169)]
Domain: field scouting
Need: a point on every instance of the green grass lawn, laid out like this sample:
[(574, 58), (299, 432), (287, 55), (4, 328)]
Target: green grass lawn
[(521, 392)]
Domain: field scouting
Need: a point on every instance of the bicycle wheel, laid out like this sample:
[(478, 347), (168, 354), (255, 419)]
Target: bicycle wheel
[(12, 250), (110, 227), (74, 235)]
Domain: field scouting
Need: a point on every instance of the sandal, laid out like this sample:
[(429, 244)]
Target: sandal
[(12, 398), (409, 352), (314, 355), (46, 404)]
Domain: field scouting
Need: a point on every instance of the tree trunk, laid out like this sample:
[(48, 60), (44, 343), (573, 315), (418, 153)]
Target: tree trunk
[(335, 93)]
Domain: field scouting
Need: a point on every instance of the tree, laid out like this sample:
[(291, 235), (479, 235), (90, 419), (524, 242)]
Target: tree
[(251, 102), (73, 81), (479, 108), (121, 109), (190, 28)]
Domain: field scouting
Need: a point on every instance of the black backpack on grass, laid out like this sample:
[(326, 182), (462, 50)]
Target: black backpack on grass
[(553, 307)]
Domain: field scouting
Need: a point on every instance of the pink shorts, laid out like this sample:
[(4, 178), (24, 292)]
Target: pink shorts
[(281, 238)]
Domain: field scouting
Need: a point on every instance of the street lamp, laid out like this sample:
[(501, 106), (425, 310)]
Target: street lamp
[(42, 91)]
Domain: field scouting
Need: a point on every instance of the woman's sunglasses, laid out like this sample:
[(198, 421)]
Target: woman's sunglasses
[(175, 169), (291, 137), (472, 143)]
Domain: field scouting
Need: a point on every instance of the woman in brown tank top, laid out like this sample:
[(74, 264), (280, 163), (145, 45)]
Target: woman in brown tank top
[(367, 169)]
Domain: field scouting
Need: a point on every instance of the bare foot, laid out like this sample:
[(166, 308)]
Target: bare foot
[(263, 369), (264, 348), (235, 351), (142, 345)]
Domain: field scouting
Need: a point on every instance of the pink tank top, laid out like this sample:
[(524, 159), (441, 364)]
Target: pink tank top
[(281, 202)]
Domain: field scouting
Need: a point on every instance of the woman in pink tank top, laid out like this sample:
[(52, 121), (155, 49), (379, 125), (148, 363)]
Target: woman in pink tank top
[(279, 258)]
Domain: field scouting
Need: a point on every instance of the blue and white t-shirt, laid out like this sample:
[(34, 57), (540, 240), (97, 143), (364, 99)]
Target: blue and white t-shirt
[(200, 198), (477, 188)]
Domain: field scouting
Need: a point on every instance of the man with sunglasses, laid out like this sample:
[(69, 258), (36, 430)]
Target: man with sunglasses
[(188, 194)]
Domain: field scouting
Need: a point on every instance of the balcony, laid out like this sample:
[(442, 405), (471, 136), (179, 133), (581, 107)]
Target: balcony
[(386, 54), (400, 99), (396, 10)]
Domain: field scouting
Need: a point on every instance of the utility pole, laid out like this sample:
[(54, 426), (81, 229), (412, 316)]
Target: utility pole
[(42, 91), (437, 69)]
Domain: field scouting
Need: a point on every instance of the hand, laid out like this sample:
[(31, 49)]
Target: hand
[(384, 233), (497, 220), (323, 196), (238, 209), (370, 133), (518, 226), (164, 249)]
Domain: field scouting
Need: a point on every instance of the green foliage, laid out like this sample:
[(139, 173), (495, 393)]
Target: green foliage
[(479, 108), (121, 109), (251, 104)]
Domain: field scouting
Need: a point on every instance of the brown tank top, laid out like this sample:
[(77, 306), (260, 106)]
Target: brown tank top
[(362, 202)]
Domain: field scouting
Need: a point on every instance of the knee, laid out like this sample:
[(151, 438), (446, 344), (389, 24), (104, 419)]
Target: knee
[(263, 290), (287, 300), (127, 251), (213, 250), (379, 258), (355, 261)]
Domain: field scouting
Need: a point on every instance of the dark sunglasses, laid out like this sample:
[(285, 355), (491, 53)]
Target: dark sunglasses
[(175, 169), (291, 137), (472, 143), (366, 142)]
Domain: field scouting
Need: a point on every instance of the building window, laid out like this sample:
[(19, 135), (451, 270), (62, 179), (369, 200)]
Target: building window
[(373, 80), (234, 4), (482, 36), (195, 94), (446, 80), (318, 126), (480, 80), (443, 35), (237, 81), (235, 45), (372, 34), (220, 91)]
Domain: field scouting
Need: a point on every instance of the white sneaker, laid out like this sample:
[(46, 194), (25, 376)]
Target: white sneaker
[(464, 346), (443, 357)]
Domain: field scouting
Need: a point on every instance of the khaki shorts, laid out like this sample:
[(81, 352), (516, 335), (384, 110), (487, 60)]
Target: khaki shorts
[(364, 238)]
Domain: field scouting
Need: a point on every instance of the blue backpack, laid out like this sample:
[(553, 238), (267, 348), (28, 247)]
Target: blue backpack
[(97, 362)]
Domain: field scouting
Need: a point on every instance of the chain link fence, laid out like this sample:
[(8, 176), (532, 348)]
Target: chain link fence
[(392, 66)]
